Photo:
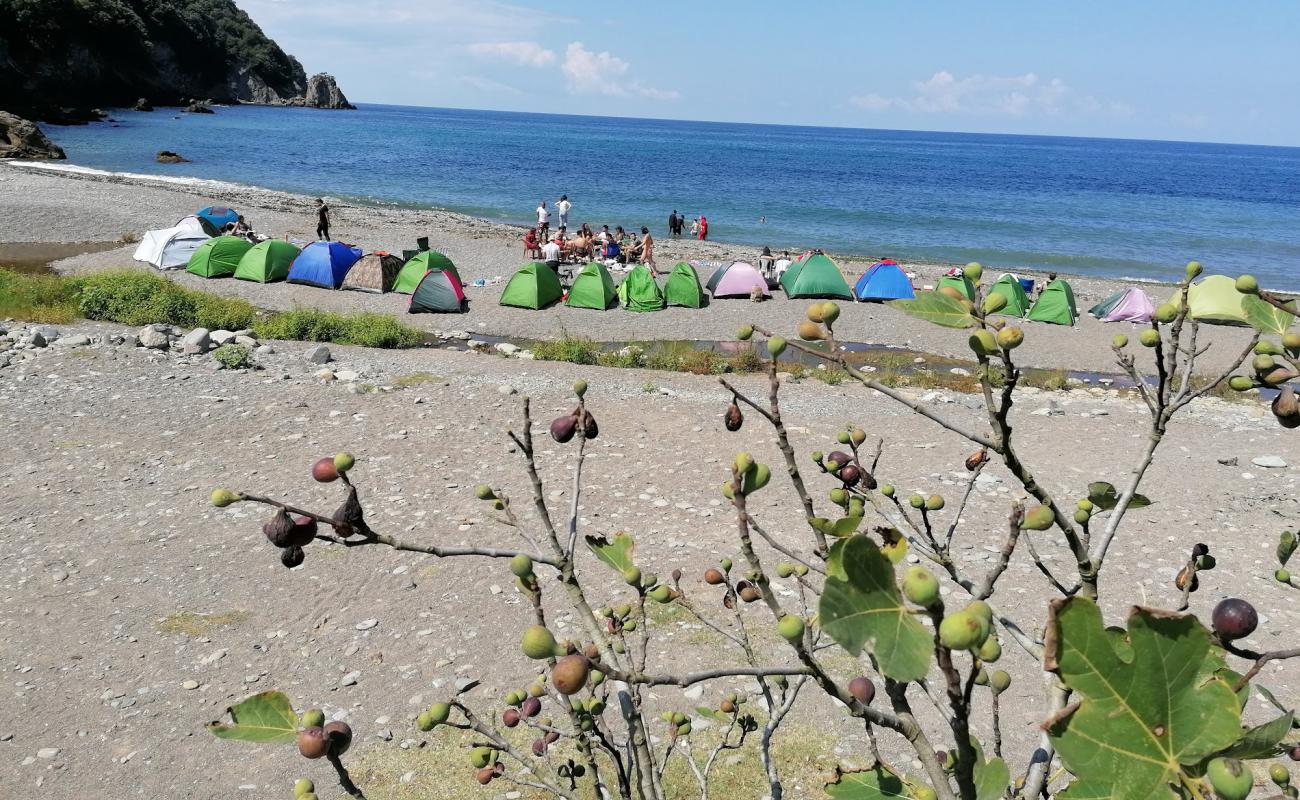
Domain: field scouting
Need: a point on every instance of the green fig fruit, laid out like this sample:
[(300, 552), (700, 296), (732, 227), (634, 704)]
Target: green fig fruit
[(1263, 364), (1194, 270), (1266, 348), (424, 722), (1291, 341), (995, 303), (1166, 313), (1231, 779), (784, 570), (800, 570), (1085, 505), (1246, 284), (999, 681), (973, 271), (632, 576), (961, 631), (830, 312), (857, 436), (887, 490), (1149, 338), (791, 628), (725, 564), (303, 786), (810, 332), (743, 462), (1010, 337), (843, 437), (480, 757), (224, 497), (981, 609), (1038, 518), (661, 594), (484, 492), (839, 497), (922, 792), (745, 332), (521, 565), (313, 718), (990, 651), (756, 479), (439, 712), (983, 343), (538, 643), (775, 346), (344, 462), (916, 501), (1279, 774), (1240, 383), (580, 387), (814, 313), (1283, 575), (920, 586), (934, 503), (1119, 341)]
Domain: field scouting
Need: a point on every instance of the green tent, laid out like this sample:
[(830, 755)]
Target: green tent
[(267, 261), (219, 257), (683, 287), (1215, 300), (414, 270), (639, 291), (1055, 304), (961, 284), (535, 285), (815, 276), (1010, 288), (592, 288), (439, 292)]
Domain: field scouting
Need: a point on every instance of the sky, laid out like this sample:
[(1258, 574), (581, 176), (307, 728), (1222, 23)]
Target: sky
[(1190, 70)]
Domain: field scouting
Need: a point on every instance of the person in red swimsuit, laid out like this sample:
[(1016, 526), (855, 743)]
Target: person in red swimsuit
[(704, 228)]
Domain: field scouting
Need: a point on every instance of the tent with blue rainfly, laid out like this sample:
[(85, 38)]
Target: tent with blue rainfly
[(884, 280), (217, 216), (323, 264)]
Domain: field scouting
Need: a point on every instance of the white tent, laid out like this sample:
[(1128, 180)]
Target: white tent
[(171, 248)]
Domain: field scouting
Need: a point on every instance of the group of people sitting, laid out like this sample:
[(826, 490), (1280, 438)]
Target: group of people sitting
[(242, 229), (612, 247)]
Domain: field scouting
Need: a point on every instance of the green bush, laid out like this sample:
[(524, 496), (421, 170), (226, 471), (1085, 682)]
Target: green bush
[(364, 329), (38, 298), (133, 298), (233, 356), (573, 349)]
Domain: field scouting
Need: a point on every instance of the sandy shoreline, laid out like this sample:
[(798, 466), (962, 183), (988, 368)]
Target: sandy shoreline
[(39, 204)]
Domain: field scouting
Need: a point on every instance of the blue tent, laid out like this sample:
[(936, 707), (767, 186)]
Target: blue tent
[(323, 264), (884, 281), (218, 216)]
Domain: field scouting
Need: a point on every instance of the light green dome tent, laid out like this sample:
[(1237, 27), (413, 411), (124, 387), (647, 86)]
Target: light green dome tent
[(267, 261), (683, 287), (1214, 299), (961, 284), (414, 270), (592, 288), (1055, 305), (815, 276), (219, 257), (639, 291), (1010, 288), (534, 286)]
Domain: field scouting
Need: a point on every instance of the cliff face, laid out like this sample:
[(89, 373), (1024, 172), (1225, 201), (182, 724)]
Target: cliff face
[(58, 54), (323, 92)]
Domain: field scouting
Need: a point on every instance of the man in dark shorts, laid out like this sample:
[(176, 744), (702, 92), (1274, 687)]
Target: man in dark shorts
[(322, 220), (672, 223)]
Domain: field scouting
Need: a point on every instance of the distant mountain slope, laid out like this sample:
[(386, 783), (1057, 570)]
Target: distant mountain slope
[(84, 53)]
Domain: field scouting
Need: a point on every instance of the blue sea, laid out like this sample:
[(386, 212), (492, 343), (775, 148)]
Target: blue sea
[(1099, 207)]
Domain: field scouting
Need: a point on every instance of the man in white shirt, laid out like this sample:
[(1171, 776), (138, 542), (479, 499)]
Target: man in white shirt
[(563, 207), (543, 219), (551, 254)]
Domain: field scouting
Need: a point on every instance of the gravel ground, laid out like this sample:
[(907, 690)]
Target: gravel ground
[(133, 612), (41, 205)]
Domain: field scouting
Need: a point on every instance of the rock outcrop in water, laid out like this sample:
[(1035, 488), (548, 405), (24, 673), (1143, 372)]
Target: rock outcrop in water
[(20, 138), (58, 59)]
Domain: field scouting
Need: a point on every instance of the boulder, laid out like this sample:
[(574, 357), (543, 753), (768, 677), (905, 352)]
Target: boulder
[(220, 337), (199, 107), (76, 340), (320, 354), (197, 341), (48, 331), (154, 339), (20, 138), (322, 92), (168, 157), (143, 104)]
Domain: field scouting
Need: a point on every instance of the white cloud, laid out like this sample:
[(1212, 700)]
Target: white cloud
[(989, 95), (603, 73), (526, 54)]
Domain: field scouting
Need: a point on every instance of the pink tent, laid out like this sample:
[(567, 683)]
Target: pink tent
[(1133, 305), (737, 280)]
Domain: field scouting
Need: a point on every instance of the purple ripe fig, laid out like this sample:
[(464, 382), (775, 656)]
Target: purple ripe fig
[(485, 775), (733, 419), (539, 747), (312, 742), (1200, 549), (850, 474), (1234, 618), (551, 737), (339, 735), (292, 556), (589, 427), (349, 519), (325, 471), (839, 458), (1294, 753), (563, 428), (531, 707), (510, 717), (863, 690), (279, 529), (748, 592), (304, 530)]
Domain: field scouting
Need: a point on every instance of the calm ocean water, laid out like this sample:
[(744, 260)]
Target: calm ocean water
[(1109, 208)]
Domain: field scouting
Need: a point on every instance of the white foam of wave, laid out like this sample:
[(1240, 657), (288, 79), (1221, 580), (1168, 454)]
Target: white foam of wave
[(130, 176)]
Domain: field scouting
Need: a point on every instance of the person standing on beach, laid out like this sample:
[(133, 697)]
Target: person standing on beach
[(704, 227), (647, 249), (563, 207), (322, 220), (543, 219)]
